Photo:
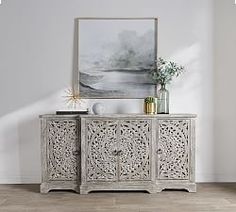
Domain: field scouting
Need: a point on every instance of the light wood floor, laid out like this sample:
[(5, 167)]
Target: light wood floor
[(209, 197)]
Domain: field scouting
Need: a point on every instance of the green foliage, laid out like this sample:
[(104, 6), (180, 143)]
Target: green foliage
[(163, 71), (149, 99)]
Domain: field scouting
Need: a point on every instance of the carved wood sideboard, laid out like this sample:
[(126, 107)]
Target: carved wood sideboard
[(118, 152)]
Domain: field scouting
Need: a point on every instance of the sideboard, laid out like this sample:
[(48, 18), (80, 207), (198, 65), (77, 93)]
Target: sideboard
[(118, 152)]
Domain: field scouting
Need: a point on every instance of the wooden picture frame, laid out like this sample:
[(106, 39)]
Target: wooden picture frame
[(115, 56)]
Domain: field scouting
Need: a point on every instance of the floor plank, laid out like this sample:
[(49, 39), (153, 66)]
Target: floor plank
[(219, 197)]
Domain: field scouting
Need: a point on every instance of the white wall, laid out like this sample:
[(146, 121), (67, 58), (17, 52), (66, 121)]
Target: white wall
[(36, 65), (225, 98)]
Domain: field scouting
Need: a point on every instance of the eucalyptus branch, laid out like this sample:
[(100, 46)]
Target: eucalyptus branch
[(163, 71)]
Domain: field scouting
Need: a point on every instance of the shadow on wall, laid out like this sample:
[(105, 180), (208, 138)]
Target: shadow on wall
[(20, 141), (20, 133), (29, 149), (75, 61), (193, 92)]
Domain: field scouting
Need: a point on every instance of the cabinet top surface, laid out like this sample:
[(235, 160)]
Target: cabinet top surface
[(137, 115)]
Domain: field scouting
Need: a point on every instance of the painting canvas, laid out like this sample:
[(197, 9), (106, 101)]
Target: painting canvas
[(115, 57)]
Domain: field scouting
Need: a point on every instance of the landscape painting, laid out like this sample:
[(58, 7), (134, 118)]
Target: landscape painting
[(115, 57)]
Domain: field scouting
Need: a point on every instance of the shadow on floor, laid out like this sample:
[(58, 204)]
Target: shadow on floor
[(34, 188)]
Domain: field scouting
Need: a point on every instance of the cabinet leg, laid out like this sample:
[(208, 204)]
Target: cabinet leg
[(192, 188), (151, 191), (44, 188), (83, 191), (159, 189)]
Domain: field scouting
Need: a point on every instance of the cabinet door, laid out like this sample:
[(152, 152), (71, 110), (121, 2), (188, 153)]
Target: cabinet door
[(63, 153), (173, 149), (101, 158), (135, 142)]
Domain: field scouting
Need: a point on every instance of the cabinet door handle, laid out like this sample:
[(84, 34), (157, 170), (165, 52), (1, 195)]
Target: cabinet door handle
[(119, 152), (159, 151), (115, 152)]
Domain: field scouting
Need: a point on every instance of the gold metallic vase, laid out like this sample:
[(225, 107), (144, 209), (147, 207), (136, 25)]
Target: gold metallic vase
[(150, 108)]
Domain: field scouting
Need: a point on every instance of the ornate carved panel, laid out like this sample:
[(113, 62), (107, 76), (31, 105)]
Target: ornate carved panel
[(173, 149), (124, 151), (101, 137), (62, 150), (134, 146)]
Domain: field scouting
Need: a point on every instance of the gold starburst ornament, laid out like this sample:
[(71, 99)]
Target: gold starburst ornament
[(72, 99)]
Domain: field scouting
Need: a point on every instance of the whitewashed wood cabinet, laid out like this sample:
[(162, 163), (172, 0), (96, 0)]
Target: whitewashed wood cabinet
[(118, 152), (60, 150)]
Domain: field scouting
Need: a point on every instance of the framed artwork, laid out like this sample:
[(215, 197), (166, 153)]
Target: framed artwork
[(115, 56)]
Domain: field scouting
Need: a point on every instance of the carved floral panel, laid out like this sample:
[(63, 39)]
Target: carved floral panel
[(101, 137), (173, 149), (134, 146), (62, 150)]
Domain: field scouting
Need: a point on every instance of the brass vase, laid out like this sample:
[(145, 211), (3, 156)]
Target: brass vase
[(150, 108)]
